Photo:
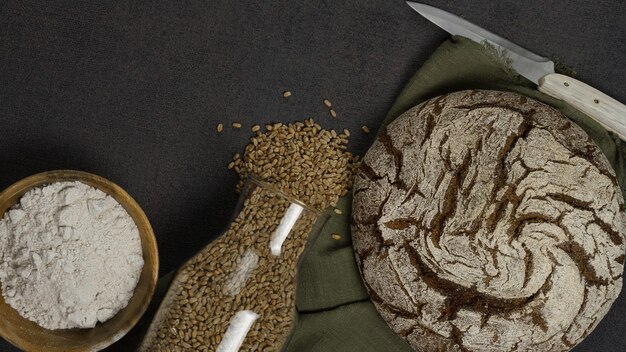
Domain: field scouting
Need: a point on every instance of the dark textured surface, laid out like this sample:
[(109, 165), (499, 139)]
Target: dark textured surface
[(133, 92)]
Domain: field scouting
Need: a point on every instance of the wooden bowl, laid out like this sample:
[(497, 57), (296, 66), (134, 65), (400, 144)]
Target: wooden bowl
[(29, 336)]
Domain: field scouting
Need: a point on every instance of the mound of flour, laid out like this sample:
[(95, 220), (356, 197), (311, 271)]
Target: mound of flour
[(70, 256)]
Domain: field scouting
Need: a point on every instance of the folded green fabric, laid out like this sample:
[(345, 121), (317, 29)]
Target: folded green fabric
[(334, 311), (328, 275)]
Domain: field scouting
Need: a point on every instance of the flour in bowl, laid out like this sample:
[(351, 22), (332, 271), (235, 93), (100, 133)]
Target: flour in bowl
[(70, 256)]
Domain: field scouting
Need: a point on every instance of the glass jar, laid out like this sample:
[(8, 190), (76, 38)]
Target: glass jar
[(238, 293)]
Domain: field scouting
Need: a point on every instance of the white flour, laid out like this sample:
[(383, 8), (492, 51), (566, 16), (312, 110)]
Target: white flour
[(70, 256)]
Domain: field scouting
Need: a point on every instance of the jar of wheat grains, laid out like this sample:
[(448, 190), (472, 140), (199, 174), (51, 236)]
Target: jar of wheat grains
[(238, 293)]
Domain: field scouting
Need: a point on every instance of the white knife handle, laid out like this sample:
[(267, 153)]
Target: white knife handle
[(608, 112)]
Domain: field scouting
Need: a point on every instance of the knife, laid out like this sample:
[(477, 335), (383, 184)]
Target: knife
[(608, 112)]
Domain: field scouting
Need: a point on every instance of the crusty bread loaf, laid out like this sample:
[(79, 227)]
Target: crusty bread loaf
[(487, 221)]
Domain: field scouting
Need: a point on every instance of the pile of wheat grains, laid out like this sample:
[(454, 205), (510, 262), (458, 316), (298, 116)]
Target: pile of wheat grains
[(303, 161)]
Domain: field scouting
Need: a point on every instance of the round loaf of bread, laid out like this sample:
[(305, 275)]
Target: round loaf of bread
[(487, 221)]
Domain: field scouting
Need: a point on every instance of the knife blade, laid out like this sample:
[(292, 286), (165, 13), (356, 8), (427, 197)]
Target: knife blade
[(610, 113)]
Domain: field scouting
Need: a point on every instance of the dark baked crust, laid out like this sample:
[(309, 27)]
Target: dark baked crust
[(487, 221)]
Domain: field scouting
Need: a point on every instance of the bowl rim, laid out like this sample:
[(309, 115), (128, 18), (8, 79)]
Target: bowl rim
[(25, 184)]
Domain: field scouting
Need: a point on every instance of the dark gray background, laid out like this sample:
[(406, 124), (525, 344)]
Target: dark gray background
[(132, 92)]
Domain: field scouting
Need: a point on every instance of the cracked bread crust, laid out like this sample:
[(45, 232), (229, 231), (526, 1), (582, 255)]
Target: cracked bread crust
[(487, 221)]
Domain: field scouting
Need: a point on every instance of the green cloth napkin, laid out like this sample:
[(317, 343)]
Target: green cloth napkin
[(335, 313), (334, 310)]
